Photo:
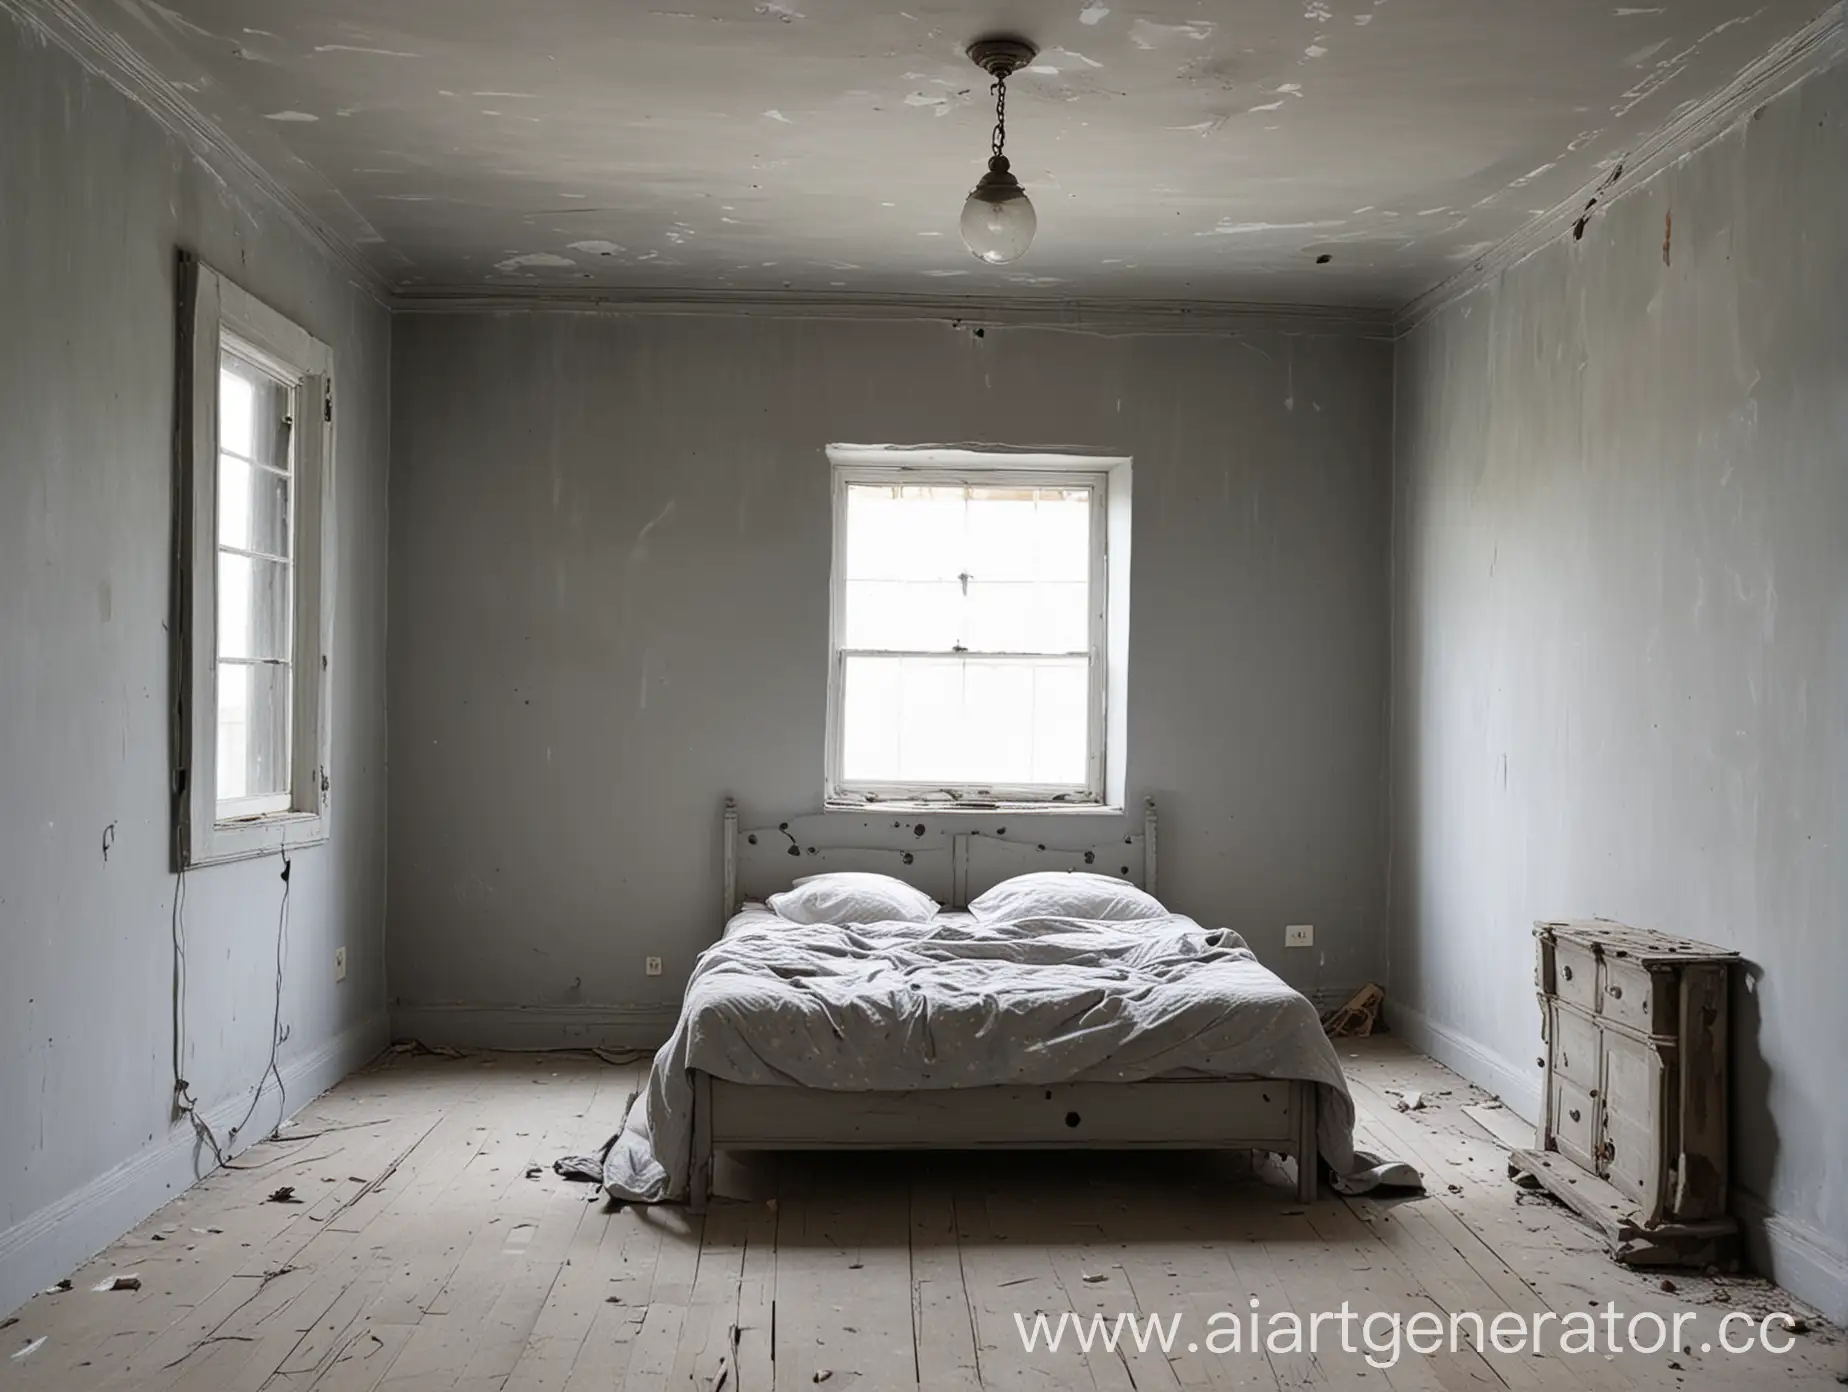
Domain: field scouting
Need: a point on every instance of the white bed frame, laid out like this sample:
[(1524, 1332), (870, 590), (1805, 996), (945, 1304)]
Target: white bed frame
[(953, 857)]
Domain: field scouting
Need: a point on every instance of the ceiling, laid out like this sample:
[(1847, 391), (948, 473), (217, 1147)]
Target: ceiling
[(1176, 151)]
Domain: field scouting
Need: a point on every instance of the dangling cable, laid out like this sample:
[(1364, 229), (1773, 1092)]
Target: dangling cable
[(182, 1090), (282, 929)]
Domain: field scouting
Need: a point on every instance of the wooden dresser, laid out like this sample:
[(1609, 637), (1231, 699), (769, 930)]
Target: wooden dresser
[(1633, 1131)]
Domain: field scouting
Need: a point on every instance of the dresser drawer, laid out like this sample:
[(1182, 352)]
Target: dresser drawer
[(1575, 975), (1627, 995), (1574, 1123), (1574, 1043)]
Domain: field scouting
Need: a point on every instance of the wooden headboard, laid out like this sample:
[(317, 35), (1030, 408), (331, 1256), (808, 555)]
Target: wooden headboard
[(950, 856)]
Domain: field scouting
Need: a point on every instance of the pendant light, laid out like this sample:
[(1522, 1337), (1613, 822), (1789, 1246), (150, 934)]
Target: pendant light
[(998, 221)]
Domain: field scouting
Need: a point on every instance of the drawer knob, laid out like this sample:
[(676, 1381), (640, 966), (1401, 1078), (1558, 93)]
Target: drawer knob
[(1568, 972), (1616, 993), (1574, 1113)]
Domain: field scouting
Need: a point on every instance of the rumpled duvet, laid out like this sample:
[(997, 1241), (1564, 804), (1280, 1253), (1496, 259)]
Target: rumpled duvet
[(879, 1007)]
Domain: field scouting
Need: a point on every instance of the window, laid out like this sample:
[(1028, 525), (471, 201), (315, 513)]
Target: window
[(972, 626), (255, 563)]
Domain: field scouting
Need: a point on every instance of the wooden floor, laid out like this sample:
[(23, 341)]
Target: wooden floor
[(432, 1247)]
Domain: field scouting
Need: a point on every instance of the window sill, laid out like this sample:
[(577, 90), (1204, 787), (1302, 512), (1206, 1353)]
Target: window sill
[(978, 809), (246, 838)]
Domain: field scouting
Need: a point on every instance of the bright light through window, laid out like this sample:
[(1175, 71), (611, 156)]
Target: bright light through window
[(969, 627), (255, 562)]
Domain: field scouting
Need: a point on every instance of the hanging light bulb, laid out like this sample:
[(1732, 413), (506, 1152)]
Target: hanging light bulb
[(998, 221)]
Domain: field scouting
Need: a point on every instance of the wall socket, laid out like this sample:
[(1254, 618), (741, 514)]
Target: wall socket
[(652, 965), (339, 964), (1299, 935)]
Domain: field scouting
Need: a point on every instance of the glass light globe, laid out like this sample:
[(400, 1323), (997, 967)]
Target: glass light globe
[(998, 221)]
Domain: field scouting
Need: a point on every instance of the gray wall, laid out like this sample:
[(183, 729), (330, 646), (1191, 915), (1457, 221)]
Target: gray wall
[(1620, 676), (610, 608), (94, 200)]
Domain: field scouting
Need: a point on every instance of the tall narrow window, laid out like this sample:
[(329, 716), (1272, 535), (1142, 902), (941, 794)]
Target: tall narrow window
[(256, 584), (256, 566), (970, 622)]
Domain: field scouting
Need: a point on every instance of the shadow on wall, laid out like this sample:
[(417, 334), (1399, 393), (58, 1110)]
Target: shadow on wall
[(1754, 1129)]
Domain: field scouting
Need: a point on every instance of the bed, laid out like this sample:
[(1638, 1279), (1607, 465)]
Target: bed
[(774, 1052), (954, 860)]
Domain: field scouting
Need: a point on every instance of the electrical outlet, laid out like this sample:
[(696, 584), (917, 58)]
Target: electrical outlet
[(339, 964), (652, 965), (1299, 935)]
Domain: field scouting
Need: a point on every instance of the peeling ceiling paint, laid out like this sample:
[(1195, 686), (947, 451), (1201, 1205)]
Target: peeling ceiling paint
[(1318, 151)]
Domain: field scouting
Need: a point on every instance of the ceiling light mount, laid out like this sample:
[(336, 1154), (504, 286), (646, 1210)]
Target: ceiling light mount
[(1001, 55), (998, 221)]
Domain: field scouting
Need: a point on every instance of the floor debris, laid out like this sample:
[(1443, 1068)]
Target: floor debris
[(31, 1348), (1357, 1018), (417, 1046), (1508, 1129), (130, 1282), (286, 1194)]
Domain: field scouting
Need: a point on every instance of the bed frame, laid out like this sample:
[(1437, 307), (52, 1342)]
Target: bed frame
[(953, 857)]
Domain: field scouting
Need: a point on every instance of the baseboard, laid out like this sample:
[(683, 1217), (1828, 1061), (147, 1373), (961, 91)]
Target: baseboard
[(1518, 1088), (48, 1245), (524, 1028), (1800, 1259)]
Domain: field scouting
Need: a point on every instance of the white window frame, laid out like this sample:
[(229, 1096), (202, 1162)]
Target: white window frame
[(212, 309), (1107, 477)]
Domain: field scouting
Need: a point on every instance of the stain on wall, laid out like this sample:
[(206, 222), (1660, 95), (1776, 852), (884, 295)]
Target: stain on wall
[(610, 559), (1620, 680)]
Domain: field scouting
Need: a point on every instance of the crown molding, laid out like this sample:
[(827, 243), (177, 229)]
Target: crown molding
[(108, 56), (1813, 48), (1086, 316)]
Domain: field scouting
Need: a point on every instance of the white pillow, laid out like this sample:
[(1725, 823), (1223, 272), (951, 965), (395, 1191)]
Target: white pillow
[(1066, 894), (852, 896)]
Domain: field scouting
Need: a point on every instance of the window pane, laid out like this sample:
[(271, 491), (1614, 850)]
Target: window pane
[(904, 614), (903, 532), (253, 508), (236, 403), (1029, 534), (253, 412), (253, 607), (253, 731), (1023, 617), (953, 720)]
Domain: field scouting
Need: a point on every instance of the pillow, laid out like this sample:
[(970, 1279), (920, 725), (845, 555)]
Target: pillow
[(852, 896), (1066, 894)]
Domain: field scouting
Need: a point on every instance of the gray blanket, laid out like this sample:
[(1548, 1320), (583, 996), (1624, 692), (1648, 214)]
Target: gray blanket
[(898, 1007)]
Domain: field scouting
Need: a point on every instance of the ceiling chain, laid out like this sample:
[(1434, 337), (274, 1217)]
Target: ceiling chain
[(1000, 91)]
